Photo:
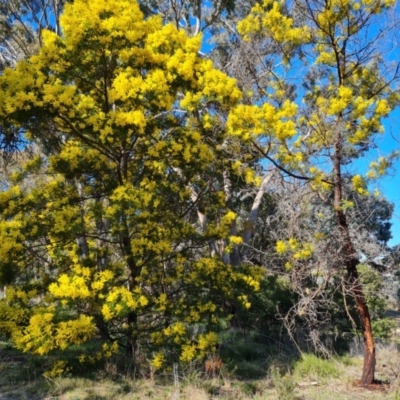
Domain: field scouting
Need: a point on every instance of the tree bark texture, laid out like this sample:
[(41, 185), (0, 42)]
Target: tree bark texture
[(351, 262)]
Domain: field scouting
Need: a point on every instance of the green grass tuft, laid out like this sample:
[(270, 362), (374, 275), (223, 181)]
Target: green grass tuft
[(313, 367)]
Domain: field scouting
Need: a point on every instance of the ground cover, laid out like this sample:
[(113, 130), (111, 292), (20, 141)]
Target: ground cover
[(248, 374)]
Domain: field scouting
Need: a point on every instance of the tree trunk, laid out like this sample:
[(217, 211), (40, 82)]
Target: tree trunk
[(362, 308), (131, 344), (351, 262)]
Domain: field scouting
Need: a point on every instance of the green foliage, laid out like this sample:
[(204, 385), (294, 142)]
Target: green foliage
[(377, 304), (383, 328), (283, 383), (273, 296), (250, 388), (313, 367), (245, 358)]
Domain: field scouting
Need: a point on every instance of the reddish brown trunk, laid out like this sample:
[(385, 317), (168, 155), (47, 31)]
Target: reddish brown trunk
[(351, 263), (369, 346)]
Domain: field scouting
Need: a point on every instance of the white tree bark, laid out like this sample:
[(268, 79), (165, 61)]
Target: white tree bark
[(249, 224)]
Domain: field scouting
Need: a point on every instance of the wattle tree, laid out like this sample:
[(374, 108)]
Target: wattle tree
[(325, 63), (117, 229)]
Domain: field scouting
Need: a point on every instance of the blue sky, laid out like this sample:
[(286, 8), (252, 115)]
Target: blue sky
[(389, 185), (390, 141)]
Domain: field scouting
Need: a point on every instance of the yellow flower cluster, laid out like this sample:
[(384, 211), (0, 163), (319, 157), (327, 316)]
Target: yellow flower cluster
[(252, 121), (58, 368), (205, 344), (43, 335), (379, 168), (296, 250), (158, 360), (269, 19), (74, 287), (359, 185), (243, 299), (120, 301), (108, 349), (178, 329), (281, 247)]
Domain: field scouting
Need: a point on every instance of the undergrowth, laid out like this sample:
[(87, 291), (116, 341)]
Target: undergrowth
[(249, 369)]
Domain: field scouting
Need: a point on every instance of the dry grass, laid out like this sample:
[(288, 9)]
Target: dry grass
[(19, 382)]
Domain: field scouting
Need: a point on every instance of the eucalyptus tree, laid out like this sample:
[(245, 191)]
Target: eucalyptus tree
[(21, 25)]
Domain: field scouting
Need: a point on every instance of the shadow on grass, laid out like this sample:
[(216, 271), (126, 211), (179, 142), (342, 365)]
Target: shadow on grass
[(252, 356)]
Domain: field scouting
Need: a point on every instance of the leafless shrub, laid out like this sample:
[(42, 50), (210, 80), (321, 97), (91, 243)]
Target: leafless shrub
[(388, 363)]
